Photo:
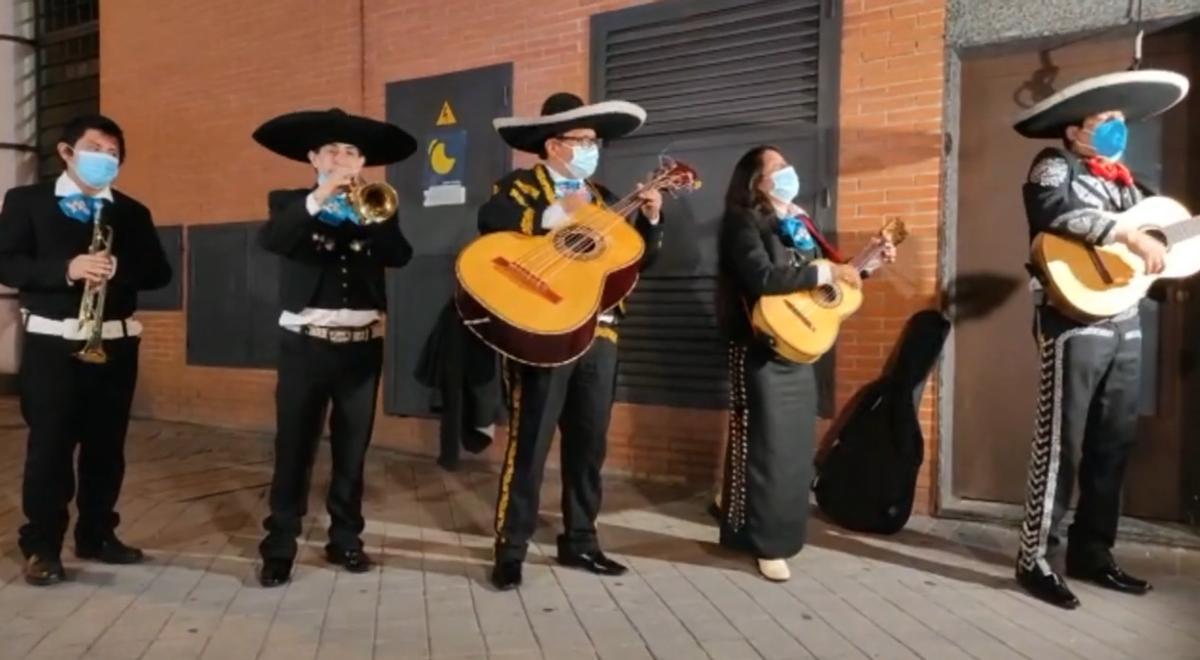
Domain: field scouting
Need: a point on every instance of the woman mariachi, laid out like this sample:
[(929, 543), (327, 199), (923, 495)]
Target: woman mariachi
[(767, 244)]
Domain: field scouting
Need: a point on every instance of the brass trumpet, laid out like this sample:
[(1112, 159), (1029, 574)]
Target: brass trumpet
[(373, 202), (91, 306)]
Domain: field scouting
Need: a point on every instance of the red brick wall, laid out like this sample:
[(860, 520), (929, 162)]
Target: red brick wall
[(190, 85), (890, 162)]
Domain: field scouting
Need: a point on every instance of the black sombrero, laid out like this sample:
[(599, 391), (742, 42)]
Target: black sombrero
[(295, 134), (1138, 94), (563, 112)]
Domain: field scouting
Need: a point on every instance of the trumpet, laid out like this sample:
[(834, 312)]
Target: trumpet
[(373, 202), (91, 306)]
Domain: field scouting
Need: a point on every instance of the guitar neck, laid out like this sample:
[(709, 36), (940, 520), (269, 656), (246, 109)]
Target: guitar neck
[(869, 254), (1182, 231)]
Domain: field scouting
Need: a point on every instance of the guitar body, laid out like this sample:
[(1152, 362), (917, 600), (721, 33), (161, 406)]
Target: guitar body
[(536, 299), (803, 326), (1095, 282)]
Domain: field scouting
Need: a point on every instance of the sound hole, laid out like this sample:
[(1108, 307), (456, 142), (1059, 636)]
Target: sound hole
[(827, 295), (579, 242)]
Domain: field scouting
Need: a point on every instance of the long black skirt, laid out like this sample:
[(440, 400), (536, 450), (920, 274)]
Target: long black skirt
[(769, 453)]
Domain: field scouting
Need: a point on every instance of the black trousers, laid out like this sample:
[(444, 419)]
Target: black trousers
[(576, 398), (1086, 425), (67, 402), (316, 376)]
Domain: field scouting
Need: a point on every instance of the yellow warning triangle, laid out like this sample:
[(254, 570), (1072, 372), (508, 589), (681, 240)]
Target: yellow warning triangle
[(446, 116)]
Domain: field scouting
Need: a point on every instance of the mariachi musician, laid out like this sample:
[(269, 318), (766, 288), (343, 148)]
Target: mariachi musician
[(335, 236), (576, 398), (78, 377), (1090, 371)]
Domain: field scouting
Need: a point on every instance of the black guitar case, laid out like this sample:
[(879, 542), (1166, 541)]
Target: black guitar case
[(867, 479)]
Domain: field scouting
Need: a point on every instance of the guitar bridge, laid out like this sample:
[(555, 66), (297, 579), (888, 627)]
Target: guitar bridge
[(800, 315), (526, 279)]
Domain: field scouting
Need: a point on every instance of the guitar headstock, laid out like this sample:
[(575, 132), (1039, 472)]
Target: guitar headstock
[(894, 231), (673, 176)]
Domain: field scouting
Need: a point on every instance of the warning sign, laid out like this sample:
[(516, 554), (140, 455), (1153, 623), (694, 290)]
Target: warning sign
[(446, 116)]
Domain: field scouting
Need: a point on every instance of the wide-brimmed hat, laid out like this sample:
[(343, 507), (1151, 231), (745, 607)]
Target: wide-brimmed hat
[(1137, 94), (563, 112), (295, 134)]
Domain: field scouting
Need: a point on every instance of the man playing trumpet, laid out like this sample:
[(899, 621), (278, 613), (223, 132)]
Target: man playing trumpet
[(335, 240)]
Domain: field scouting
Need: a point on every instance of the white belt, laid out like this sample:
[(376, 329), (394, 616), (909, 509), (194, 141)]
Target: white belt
[(69, 328)]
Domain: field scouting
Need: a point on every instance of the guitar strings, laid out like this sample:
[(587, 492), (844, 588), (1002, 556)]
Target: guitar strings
[(542, 260)]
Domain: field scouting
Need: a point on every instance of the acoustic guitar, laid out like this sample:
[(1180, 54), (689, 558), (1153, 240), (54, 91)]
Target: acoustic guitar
[(536, 299), (1093, 282), (802, 326)]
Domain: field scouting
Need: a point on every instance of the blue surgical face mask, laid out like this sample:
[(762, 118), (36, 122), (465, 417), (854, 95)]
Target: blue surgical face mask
[(1110, 138), (95, 168), (786, 184), (584, 161)]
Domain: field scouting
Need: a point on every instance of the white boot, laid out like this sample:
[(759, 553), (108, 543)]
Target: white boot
[(775, 570)]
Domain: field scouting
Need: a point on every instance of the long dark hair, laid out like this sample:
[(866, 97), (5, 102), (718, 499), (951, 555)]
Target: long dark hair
[(743, 195)]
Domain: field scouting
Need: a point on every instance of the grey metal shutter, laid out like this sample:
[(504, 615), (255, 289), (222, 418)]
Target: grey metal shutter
[(735, 64), (716, 77)]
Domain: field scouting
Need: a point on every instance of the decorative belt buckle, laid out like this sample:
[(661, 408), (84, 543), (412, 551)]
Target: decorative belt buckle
[(339, 336)]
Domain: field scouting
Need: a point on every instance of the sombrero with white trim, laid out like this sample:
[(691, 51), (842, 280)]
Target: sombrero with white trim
[(1138, 94), (563, 112)]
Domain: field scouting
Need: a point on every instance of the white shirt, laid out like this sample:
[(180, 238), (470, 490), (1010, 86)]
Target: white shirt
[(330, 318), (65, 186)]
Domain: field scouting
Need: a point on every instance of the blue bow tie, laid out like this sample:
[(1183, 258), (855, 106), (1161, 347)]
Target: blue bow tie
[(568, 185), (337, 210), (794, 232), (80, 207)]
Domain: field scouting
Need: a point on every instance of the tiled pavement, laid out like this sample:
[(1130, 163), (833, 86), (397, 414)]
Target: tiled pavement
[(194, 498)]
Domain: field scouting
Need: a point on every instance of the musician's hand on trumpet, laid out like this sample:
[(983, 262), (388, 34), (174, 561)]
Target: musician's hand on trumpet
[(337, 180), (94, 268)]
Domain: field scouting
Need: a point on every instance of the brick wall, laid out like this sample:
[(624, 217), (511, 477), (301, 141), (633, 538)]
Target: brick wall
[(890, 165), (189, 105)]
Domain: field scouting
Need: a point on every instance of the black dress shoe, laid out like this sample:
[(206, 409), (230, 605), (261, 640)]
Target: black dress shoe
[(593, 562), (1048, 587), (354, 561), (44, 571), (275, 572), (109, 551), (1112, 577), (506, 574)]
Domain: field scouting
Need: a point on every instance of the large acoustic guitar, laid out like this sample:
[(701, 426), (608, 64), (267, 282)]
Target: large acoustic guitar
[(802, 326), (536, 299), (1091, 282)]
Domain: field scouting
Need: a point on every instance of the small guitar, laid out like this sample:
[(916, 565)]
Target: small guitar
[(802, 326), (536, 299), (1091, 282)]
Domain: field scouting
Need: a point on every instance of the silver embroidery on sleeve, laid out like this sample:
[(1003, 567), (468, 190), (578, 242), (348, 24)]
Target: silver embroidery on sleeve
[(1049, 172)]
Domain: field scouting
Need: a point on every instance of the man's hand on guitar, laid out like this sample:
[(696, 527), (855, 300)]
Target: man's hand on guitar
[(889, 252), (574, 201), (847, 274), (1145, 246), (651, 200)]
